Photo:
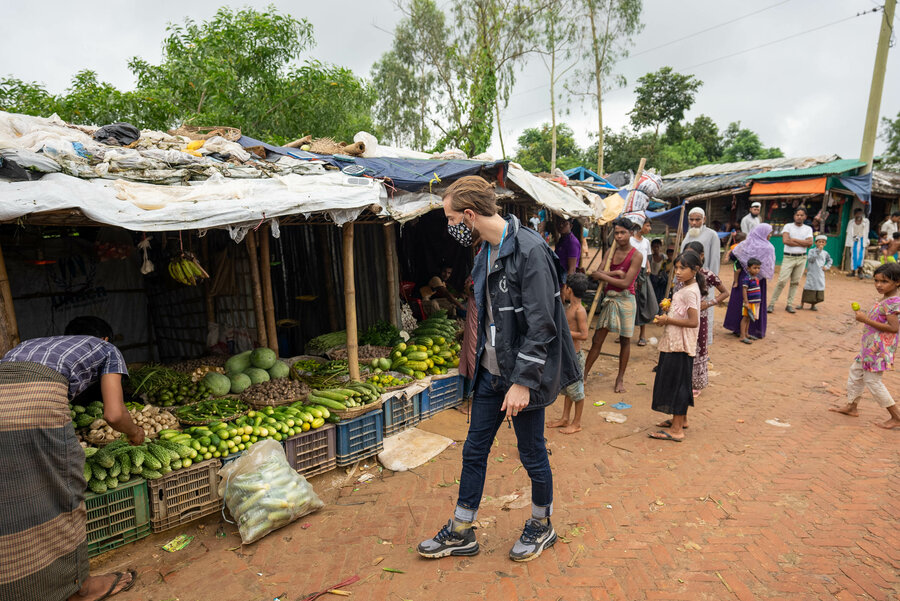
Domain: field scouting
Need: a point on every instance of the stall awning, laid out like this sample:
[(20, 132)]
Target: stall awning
[(559, 199), (816, 185)]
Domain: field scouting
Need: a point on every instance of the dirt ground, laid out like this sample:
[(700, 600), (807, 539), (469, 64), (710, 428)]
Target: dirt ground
[(806, 508)]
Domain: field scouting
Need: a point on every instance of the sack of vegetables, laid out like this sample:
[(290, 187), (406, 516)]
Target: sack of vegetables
[(263, 493)]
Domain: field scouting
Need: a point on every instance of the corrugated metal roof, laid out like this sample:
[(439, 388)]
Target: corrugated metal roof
[(885, 183), (727, 176), (831, 168)]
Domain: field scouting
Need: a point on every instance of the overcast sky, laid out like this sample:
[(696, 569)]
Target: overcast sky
[(806, 94)]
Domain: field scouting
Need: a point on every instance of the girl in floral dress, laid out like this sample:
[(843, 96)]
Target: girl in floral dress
[(879, 343)]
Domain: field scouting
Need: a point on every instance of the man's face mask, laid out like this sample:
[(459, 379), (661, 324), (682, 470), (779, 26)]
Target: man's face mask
[(461, 232)]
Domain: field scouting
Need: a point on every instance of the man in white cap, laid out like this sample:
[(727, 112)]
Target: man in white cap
[(712, 250), (751, 219)]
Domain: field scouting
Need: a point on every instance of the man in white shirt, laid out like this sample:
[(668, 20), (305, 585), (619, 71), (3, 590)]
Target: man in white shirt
[(857, 241), (751, 219), (797, 237)]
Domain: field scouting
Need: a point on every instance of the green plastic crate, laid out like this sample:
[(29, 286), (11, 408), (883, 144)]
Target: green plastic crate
[(117, 517)]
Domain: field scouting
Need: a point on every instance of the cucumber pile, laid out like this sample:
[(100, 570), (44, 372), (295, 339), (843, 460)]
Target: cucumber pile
[(431, 350), (348, 396), (119, 461)]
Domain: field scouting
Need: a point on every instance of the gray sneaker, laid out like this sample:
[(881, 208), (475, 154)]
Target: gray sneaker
[(535, 538), (447, 542)]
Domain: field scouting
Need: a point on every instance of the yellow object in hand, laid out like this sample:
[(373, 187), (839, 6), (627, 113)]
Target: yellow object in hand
[(665, 304), (854, 306)]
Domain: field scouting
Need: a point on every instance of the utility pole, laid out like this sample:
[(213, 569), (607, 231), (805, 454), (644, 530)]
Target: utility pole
[(873, 113)]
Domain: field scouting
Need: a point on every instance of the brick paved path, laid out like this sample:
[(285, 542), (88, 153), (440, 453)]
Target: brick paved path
[(741, 510)]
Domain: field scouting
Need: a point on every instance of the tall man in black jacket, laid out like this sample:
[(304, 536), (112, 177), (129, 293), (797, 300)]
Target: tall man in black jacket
[(524, 357)]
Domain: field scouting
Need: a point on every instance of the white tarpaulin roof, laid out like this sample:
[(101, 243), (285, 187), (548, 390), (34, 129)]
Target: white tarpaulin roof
[(217, 202), (557, 198)]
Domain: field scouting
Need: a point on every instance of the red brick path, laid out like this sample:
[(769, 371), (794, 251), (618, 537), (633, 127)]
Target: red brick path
[(740, 510)]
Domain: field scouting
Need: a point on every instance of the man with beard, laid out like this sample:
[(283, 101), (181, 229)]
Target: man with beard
[(524, 357), (751, 219), (712, 253)]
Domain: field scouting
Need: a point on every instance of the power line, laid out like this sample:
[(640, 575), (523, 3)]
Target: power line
[(696, 33)]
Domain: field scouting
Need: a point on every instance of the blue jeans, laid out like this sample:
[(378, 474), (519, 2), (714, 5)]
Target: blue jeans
[(485, 419)]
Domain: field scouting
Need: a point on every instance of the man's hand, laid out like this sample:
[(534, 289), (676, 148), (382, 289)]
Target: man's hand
[(136, 438), (516, 399)]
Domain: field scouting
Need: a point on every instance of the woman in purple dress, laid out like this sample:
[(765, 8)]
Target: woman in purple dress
[(756, 246), (568, 246)]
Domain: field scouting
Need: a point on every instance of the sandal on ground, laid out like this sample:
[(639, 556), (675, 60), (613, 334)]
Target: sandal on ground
[(668, 424), (746, 341), (642, 342), (663, 435), (115, 583)]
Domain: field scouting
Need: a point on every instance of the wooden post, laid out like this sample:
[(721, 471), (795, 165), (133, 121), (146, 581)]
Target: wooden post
[(209, 298), (257, 290), (12, 327), (265, 267), (393, 285), (323, 236), (612, 249), (678, 237), (350, 303)]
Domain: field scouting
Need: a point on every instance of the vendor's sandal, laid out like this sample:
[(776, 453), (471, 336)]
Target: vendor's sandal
[(746, 341), (668, 424), (642, 342), (115, 583), (662, 435)]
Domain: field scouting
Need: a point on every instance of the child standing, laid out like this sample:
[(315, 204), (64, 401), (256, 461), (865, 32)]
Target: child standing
[(572, 292), (879, 343), (749, 282), (672, 389), (817, 262)]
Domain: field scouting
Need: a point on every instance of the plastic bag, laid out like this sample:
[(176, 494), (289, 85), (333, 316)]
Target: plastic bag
[(263, 493), (117, 134)]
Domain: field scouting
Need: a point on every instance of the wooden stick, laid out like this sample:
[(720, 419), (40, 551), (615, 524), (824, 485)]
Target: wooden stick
[(12, 333), (350, 303), (612, 250), (677, 245), (257, 290), (265, 265), (393, 286)]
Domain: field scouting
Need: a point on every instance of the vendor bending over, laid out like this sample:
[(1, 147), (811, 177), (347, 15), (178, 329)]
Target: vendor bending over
[(437, 297), (42, 511)]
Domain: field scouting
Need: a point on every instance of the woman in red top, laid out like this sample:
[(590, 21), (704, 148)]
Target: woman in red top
[(618, 308)]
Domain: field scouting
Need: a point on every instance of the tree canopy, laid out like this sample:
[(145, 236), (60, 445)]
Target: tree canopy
[(240, 69), (663, 97), (536, 148), (891, 135)]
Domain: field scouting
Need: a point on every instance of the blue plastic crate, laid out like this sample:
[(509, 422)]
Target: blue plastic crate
[(360, 437), (400, 413), (442, 394)]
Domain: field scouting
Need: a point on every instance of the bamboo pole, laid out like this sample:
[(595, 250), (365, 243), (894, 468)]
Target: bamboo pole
[(209, 298), (257, 290), (265, 266), (678, 237), (323, 237), (350, 303), (12, 333), (612, 249), (390, 248)]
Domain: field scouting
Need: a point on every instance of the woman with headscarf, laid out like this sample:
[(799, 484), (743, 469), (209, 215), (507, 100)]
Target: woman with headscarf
[(756, 246)]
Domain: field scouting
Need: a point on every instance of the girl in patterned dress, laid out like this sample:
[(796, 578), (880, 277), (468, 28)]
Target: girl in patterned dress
[(879, 343)]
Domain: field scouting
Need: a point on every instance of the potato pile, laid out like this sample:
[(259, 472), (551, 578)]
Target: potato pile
[(365, 352), (275, 392), (153, 419), (199, 373)]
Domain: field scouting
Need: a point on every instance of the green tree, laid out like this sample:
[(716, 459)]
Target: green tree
[(535, 152), (608, 26), (741, 144), (662, 98), (239, 69), (891, 135)]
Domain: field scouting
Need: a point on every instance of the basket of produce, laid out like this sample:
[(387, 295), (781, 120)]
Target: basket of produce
[(303, 365), (244, 370), (366, 352), (390, 380), (350, 400), (275, 393), (190, 365), (324, 343), (164, 387), (212, 410)]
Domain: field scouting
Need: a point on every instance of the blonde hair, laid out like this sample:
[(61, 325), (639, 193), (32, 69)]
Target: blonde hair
[(474, 193)]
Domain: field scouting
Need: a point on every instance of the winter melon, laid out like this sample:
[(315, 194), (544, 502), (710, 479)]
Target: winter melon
[(239, 383), (238, 363), (257, 375), (279, 370), (263, 358), (218, 384)]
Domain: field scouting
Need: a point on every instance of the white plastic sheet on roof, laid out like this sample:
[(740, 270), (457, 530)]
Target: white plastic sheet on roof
[(559, 199)]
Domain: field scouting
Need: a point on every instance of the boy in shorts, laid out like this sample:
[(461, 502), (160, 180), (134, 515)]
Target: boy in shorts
[(572, 292)]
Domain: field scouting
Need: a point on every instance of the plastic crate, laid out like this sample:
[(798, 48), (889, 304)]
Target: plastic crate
[(117, 517), (360, 437), (442, 394), (313, 452), (400, 413), (184, 495)]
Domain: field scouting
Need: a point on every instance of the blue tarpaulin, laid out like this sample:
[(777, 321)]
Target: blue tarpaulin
[(583, 173), (406, 174)]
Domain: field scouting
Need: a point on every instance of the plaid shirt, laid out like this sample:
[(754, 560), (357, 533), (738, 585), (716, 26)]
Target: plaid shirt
[(80, 359)]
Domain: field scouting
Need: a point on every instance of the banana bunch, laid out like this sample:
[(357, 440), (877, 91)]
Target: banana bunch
[(185, 269)]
